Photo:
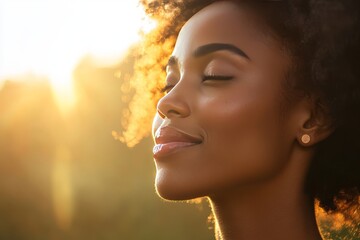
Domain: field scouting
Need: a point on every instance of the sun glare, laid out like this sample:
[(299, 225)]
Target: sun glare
[(50, 37)]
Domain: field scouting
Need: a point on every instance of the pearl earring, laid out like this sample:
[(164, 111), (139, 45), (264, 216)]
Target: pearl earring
[(305, 138)]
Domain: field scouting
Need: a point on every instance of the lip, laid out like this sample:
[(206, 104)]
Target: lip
[(169, 140)]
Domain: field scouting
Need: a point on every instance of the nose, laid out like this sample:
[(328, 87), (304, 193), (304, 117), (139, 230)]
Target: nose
[(174, 104)]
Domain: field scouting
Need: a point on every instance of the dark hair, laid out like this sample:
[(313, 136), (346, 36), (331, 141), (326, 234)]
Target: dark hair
[(322, 36)]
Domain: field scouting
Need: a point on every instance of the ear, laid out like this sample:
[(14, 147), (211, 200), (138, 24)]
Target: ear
[(316, 125)]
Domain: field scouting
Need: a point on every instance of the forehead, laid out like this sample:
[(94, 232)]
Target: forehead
[(223, 22)]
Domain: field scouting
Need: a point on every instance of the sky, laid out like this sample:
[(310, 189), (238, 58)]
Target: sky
[(49, 37)]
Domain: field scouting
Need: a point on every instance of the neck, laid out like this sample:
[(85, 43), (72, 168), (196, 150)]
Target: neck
[(273, 209), (258, 220)]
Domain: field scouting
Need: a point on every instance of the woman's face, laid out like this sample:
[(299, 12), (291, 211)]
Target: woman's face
[(220, 126)]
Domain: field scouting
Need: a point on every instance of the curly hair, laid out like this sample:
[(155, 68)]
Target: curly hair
[(323, 38)]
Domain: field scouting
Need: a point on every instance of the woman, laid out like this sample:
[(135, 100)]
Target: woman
[(260, 113)]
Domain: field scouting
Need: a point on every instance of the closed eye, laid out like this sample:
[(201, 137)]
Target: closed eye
[(167, 88), (217, 77)]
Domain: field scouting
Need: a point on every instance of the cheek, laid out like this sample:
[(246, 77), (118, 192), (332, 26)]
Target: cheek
[(238, 114), (244, 137)]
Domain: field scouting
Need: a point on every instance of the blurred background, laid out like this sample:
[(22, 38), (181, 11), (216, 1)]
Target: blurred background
[(64, 66)]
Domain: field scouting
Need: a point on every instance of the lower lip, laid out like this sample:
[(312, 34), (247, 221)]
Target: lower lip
[(161, 150)]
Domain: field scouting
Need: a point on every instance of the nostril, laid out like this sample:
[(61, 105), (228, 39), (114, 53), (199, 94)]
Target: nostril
[(161, 114), (168, 114), (173, 112)]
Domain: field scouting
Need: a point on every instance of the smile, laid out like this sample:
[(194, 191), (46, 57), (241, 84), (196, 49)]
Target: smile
[(169, 140)]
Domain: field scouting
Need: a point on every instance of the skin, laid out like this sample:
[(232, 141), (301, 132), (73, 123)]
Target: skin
[(251, 163)]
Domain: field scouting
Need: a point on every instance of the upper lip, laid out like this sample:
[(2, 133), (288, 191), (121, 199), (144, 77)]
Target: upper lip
[(171, 134)]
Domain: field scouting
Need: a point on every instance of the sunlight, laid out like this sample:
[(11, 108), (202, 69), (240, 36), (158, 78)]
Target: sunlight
[(62, 188), (50, 37)]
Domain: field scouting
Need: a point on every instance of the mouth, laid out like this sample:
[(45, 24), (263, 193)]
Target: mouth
[(169, 140)]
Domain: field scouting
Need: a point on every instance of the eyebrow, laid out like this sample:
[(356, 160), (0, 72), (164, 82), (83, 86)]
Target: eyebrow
[(208, 49), (214, 47)]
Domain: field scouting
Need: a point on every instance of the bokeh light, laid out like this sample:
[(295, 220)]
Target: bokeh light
[(64, 68)]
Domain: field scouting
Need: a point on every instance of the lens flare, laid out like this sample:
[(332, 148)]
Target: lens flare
[(50, 37)]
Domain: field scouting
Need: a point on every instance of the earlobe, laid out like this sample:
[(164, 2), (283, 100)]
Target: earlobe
[(310, 139), (305, 139), (315, 130)]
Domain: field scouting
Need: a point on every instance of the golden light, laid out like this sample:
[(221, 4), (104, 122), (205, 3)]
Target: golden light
[(47, 39), (62, 188), (50, 37)]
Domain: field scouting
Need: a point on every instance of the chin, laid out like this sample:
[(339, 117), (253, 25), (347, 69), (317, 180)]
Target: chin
[(172, 189)]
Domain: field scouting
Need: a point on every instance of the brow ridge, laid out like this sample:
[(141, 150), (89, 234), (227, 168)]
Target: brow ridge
[(214, 47)]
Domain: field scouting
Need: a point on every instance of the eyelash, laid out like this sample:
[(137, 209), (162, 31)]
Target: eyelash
[(167, 88), (216, 77)]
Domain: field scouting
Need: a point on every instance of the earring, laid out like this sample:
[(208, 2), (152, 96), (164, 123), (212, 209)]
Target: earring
[(305, 138)]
